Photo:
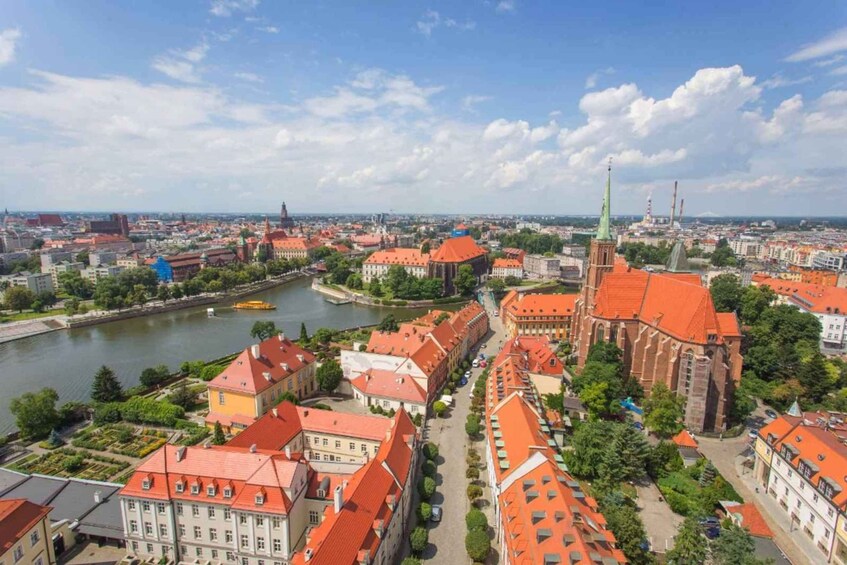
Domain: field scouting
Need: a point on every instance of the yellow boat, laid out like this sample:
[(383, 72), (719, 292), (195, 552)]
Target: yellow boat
[(254, 305)]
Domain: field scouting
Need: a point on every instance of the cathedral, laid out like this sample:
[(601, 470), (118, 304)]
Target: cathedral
[(285, 222), (666, 326)]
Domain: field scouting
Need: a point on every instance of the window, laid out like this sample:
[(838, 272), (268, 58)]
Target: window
[(244, 541), (227, 514), (260, 521), (179, 508), (33, 538), (130, 505), (337, 444), (182, 530), (213, 534), (160, 507), (830, 512), (195, 510), (230, 556), (145, 484), (195, 488), (149, 548), (364, 447), (352, 446), (814, 498), (221, 398), (228, 536), (260, 499), (277, 545), (214, 554), (211, 511), (198, 551), (19, 553), (325, 442), (145, 506), (198, 533), (227, 492), (133, 526), (314, 517), (210, 490), (163, 530), (275, 521), (245, 561), (148, 528), (260, 543), (242, 519)]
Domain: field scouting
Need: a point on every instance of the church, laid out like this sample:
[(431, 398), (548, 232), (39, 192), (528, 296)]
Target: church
[(666, 326)]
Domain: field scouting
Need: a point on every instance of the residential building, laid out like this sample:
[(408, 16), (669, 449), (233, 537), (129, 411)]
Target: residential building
[(549, 315), (130, 261), (514, 253), (36, 282), (13, 240), (94, 274), (454, 253), (666, 326), (532, 226), (828, 261), (256, 380), (541, 266), (25, 533), (503, 268), (390, 390), (182, 266), (54, 258), (412, 260), (98, 258), (57, 269)]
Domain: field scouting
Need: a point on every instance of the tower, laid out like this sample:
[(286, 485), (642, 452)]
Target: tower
[(601, 255), (648, 218), (673, 205), (285, 221)]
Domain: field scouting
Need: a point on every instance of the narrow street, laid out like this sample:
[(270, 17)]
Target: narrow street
[(447, 538)]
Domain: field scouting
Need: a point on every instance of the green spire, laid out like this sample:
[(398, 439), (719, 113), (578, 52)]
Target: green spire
[(603, 230)]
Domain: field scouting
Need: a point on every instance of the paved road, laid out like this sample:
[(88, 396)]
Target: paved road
[(659, 520), (447, 538), (726, 456)]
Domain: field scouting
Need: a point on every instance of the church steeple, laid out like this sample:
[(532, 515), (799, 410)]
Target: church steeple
[(604, 231)]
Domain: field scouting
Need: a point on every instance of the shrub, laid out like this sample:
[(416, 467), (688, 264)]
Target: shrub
[(430, 451), (424, 511), (474, 492), (73, 463), (472, 473), (429, 468), (411, 561), (472, 428), (477, 545), (426, 488), (418, 420), (148, 411), (107, 413), (476, 520), (439, 408), (418, 539)]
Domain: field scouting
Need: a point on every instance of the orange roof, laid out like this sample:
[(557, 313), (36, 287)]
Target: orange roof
[(399, 256), (296, 243), (388, 384), (521, 435), (507, 264), (403, 342), (685, 439), (17, 517), (279, 358), (749, 518), (457, 250), (815, 298), (728, 324), (820, 450), (550, 305)]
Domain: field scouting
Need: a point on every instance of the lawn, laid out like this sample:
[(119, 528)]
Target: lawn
[(120, 439), (20, 316), (685, 495), (68, 462)]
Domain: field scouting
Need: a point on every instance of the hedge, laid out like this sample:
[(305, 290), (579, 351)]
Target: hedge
[(477, 545), (148, 411)]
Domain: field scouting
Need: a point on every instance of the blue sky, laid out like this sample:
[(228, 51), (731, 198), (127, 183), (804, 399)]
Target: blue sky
[(460, 107)]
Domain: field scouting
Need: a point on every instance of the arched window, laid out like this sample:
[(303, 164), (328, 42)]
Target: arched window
[(601, 333)]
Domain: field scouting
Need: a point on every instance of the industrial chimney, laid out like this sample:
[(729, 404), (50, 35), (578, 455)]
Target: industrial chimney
[(673, 204)]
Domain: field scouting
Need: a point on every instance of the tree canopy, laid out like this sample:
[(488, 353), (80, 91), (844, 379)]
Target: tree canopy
[(329, 375), (663, 411), (106, 387), (465, 281), (263, 330), (35, 413)]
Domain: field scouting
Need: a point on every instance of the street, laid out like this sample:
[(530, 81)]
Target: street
[(447, 538)]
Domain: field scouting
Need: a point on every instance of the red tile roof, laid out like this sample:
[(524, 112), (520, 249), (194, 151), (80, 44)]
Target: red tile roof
[(549, 305), (278, 358), (411, 257), (17, 517), (457, 250), (388, 384), (823, 452), (815, 298), (507, 264), (749, 518), (685, 439)]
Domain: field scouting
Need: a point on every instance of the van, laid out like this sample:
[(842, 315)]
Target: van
[(475, 363)]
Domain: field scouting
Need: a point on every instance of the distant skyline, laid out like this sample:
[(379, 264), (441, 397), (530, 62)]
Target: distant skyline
[(480, 106)]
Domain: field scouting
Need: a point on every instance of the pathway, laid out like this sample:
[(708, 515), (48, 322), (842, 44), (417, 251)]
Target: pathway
[(659, 520)]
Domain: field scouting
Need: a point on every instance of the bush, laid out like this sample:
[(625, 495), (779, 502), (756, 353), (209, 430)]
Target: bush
[(424, 511), (418, 420), (476, 520), (472, 473), (430, 451), (73, 464), (426, 488), (418, 539), (429, 468), (411, 561), (142, 410), (472, 428), (107, 413), (439, 408), (477, 545), (474, 492)]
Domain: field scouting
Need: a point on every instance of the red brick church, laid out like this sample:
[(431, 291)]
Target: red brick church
[(666, 325)]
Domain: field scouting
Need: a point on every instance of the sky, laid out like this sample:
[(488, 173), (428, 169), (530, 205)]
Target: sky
[(472, 106)]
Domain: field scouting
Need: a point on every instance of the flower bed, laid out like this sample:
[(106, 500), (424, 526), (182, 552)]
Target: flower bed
[(66, 462), (120, 439)]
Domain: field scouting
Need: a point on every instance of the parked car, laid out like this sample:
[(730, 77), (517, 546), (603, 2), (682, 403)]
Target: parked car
[(710, 522), (771, 414), (483, 364), (475, 363), (713, 533), (463, 381), (753, 434), (638, 426), (436, 513)]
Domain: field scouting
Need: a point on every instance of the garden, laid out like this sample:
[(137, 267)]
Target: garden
[(67, 462), (121, 439), (695, 491)]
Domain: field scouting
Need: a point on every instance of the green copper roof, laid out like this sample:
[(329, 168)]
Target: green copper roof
[(678, 261), (604, 231)]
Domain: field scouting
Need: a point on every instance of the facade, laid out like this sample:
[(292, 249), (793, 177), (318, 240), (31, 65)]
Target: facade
[(666, 326), (539, 266), (411, 259), (182, 266), (57, 269), (452, 254), (549, 315), (117, 224), (94, 274), (98, 258), (389, 390), (25, 533), (54, 258), (36, 282), (502, 268), (256, 380)]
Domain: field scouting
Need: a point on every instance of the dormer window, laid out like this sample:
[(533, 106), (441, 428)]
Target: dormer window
[(180, 486), (195, 488), (146, 483), (227, 492), (260, 499), (210, 490)]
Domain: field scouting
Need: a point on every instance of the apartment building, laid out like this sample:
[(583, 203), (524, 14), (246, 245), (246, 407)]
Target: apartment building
[(412, 260), (54, 258), (256, 380), (97, 258), (547, 315), (94, 274), (57, 269), (25, 533), (36, 282), (502, 268), (541, 266)]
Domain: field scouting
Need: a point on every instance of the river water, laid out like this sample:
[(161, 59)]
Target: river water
[(66, 360)]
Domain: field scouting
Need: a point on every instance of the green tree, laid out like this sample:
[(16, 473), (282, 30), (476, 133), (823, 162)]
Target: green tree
[(626, 457), (590, 442), (477, 545), (465, 281), (690, 545), (663, 411), (735, 546), (476, 520), (354, 282), (425, 247), (472, 428), (426, 488), (754, 301), (418, 539), (152, 376), (183, 396), (263, 330), (723, 255), (813, 376), (35, 413), (47, 298), (439, 408), (304, 335), (511, 280), (71, 306), (664, 459), (82, 257), (72, 283), (163, 293), (388, 324), (626, 524), (708, 475), (410, 561), (375, 287), (218, 437), (424, 511), (605, 352), (497, 285), (106, 387), (176, 292), (726, 293), (19, 298), (329, 375)]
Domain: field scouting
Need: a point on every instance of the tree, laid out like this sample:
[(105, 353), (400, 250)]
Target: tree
[(734, 547), (512, 280), (689, 544), (629, 531), (418, 539), (707, 475), (183, 396), (218, 437), (726, 293), (71, 306), (497, 285), (472, 428), (324, 335), (47, 298), (176, 292), (754, 301), (425, 247), (329, 375), (106, 387), (476, 520), (375, 287), (477, 545), (354, 282), (424, 511), (263, 330), (813, 376), (590, 442), (151, 376), (426, 488), (304, 335), (35, 413), (73, 284), (663, 411), (410, 561), (664, 459), (474, 492), (19, 298), (472, 473), (465, 281), (605, 352), (626, 457), (430, 451), (439, 408), (163, 293), (723, 256), (388, 324)]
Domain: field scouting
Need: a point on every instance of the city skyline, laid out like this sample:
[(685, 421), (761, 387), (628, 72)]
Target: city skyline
[(503, 107)]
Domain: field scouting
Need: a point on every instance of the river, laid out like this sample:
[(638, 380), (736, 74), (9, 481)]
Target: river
[(66, 360)]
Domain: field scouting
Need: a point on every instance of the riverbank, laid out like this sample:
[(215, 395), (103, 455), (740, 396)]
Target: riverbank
[(342, 295)]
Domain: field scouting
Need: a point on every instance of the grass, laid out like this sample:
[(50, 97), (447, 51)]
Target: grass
[(20, 316)]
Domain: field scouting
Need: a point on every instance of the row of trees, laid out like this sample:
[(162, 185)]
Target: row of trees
[(21, 298), (532, 242), (639, 254)]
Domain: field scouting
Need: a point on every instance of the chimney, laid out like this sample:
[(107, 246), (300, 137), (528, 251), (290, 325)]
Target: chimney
[(338, 498), (253, 448), (254, 350), (180, 454), (274, 412), (681, 206), (673, 203), (98, 496), (288, 452), (307, 555), (267, 376), (281, 336)]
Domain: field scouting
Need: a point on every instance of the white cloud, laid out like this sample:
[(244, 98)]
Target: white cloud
[(225, 8), (505, 6), (833, 43), (779, 81), (431, 20), (181, 65), (471, 100), (839, 71), (8, 42), (249, 77), (269, 29), (829, 62), (593, 78)]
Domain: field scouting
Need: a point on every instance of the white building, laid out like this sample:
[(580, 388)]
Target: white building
[(97, 258), (503, 268), (57, 269), (94, 274), (36, 282), (411, 259), (54, 258)]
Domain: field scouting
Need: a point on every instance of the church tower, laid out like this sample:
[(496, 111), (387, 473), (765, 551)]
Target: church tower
[(601, 254)]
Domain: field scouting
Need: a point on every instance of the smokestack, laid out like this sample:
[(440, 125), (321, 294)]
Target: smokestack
[(673, 204), (681, 206)]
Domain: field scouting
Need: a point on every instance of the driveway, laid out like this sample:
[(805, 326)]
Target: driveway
[(659, 520)]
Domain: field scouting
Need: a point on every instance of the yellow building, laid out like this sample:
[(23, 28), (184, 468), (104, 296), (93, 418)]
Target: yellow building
[(256, 381), (537, 315), (25, 533)]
